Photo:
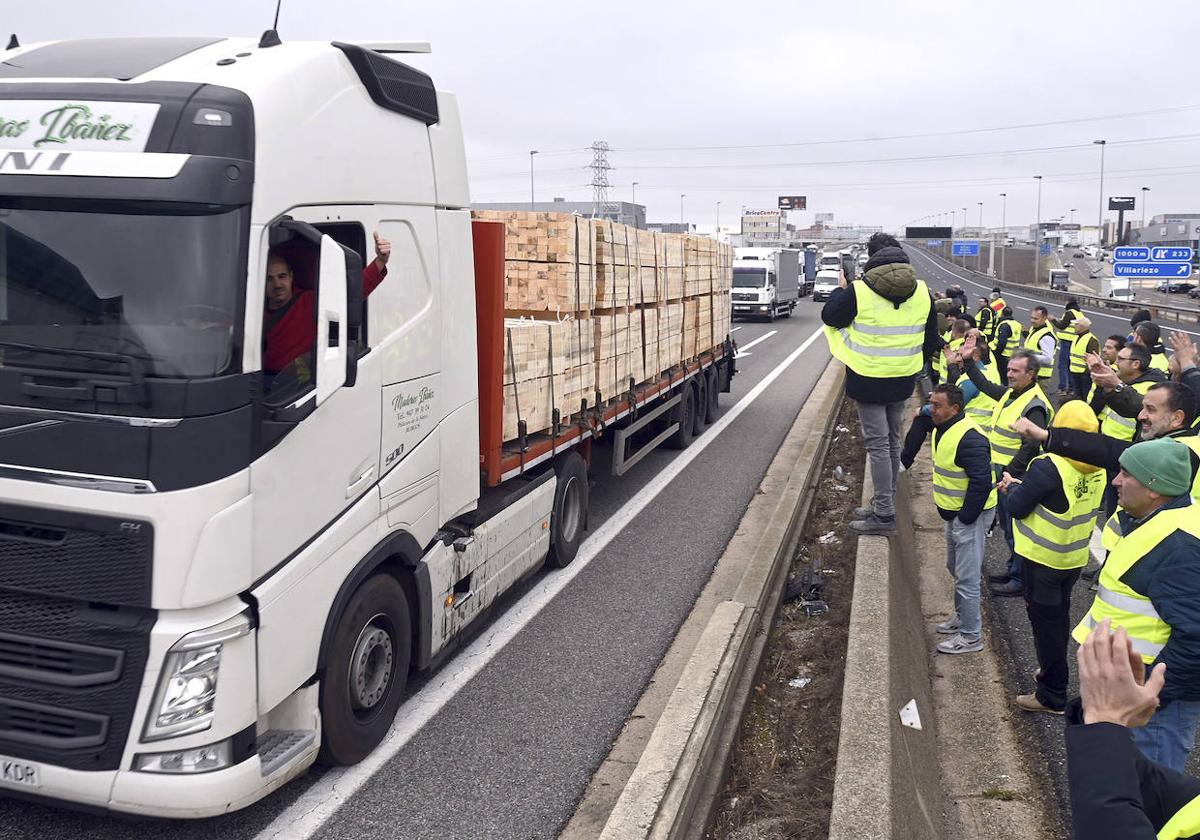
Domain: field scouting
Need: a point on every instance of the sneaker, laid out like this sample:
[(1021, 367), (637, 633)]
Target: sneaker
[(874, 525), (863, 512), (1030, 703), (960, 644), (1012, 589), (948, 627)]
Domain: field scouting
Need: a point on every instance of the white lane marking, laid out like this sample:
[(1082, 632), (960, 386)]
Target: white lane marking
[(309, 812), (937, 266), (742, 350), (734, 329)]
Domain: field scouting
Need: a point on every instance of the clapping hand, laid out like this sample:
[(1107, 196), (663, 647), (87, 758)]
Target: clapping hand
[(1112, 679), (1185, 349)]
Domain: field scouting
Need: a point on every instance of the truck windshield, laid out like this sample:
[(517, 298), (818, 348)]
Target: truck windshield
[(162, 287), (749, 278)]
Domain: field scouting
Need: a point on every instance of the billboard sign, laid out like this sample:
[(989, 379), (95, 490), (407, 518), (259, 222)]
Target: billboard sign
[(793, 202), (1120, 202)]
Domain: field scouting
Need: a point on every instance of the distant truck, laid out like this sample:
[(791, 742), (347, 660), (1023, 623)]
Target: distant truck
[(765, 285), (1060, 279), (830, 259), (1117, 288), (808, 271)]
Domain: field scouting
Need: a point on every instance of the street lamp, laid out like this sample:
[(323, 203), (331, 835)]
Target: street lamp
[(532, 152), (1144, 191), (682, 196), (1073, 215), (979, 256), (1037, 235), (1003, 229), (635, 183), (718, 221), (1100, 218)]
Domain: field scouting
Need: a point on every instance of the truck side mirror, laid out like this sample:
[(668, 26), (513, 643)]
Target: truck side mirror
[(333, 323)]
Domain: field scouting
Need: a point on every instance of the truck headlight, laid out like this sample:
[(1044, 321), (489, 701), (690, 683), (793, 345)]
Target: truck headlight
[(186, 694)]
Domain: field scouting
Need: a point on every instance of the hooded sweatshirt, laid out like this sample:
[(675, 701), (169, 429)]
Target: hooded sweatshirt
[(889, 275)]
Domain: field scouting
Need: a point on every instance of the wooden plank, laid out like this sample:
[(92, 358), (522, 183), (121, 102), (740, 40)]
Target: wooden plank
[(548, 365)]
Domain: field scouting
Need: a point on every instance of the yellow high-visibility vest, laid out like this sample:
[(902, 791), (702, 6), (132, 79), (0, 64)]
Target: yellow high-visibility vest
[(981, 406), (884, 340), (1061, 540), (1069, 333), (1031, 343), (1158, 361), (1184, 823), (1116, 600), (1079, 352), (1005, 442), (950, 480), (1014, 338)]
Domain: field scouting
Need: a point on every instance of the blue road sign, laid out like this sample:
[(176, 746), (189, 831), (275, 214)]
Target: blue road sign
[(933, 243), (1152, 269), (965, 249), (1127, 253), (1171, 254), (1045, 248)]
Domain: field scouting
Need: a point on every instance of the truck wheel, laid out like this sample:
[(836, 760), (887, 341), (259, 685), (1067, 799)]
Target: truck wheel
[(701, 387), (684, 414), (568, 517), (366, 671), (713, 389)]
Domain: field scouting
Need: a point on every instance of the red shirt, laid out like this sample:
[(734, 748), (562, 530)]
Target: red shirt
[(294, 334)]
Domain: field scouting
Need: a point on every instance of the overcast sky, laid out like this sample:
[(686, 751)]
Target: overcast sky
[(835, 80)]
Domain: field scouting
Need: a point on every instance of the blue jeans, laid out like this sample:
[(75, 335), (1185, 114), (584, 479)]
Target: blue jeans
[(1064, 365), (1005, 520), (1170, 734), (964, 560)]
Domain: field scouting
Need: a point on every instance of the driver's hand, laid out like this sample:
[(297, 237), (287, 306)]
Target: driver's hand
[(383, 249)]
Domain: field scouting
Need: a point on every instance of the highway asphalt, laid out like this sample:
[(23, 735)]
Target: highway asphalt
[(509, 754), (1006, 619)]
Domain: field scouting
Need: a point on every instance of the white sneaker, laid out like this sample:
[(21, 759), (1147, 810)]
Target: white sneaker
[(960, 644), (948, 627)]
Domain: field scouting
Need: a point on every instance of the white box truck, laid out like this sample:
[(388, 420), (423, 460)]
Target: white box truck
[(1059, 279), (209, 573), (766, 282), (1118, 288)]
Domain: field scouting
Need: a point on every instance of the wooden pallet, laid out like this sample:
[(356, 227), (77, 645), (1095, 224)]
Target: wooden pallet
[(548, 366)]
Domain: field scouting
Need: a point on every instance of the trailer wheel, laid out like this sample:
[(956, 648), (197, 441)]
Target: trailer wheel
[(366, 671), (713, 389), (700, 423), (568, 517), (684, 414)]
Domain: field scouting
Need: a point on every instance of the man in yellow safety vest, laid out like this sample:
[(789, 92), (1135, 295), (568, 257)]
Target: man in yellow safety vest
[(1041, 342), (1054, 509), (1084, 342), (1149, 335), (1150, 585), (1064, 331), (1006, 342), (882, 327)]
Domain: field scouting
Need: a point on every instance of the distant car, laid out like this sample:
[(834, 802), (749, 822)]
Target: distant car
[(1078, 255), (827, 281), (1093, 274), (1194, 293), (1068, 265), (1174, 287)]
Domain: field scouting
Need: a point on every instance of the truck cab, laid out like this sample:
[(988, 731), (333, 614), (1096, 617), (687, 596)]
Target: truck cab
[(183, 528), (1059, 279)]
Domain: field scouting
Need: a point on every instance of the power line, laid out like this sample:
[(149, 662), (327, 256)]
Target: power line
[(916, 158), (956, 133)]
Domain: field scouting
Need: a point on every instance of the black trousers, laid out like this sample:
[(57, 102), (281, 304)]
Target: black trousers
[(1082, 384), (1001, 367), (1048, 605)]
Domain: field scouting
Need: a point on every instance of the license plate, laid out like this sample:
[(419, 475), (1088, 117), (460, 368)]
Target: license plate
[(16, 772)]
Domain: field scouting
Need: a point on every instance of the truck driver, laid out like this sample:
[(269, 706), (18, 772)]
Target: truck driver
[(290, 323)]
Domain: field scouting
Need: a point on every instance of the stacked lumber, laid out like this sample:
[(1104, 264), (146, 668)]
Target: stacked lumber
[(549, 261), (591, 305), (547, 367)]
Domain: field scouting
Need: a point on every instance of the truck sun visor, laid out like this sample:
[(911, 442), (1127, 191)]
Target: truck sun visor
[(393, 85)]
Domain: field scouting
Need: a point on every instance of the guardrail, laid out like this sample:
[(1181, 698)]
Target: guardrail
[(1159, 312)]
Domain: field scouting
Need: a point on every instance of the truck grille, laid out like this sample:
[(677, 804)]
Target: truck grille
[(745, 296), (70, 673), (74, 555)]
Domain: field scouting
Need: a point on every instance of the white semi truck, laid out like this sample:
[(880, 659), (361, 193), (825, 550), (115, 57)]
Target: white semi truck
[(766, 282), (210, 574)]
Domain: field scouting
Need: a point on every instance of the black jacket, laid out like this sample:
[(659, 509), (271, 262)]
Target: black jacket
[(1029, 448), (889, 275), (1127, 402), (1104, 451), (1039, 486), (1191, 378), (1117, 793), (974, 457)]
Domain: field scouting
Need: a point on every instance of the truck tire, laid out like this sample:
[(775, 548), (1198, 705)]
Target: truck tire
[(713, 388), (366, 671), (568, 517), (701, 385), (684, 414)]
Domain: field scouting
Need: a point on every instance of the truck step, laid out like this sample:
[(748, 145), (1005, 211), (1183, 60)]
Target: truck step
[(279, 746)]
